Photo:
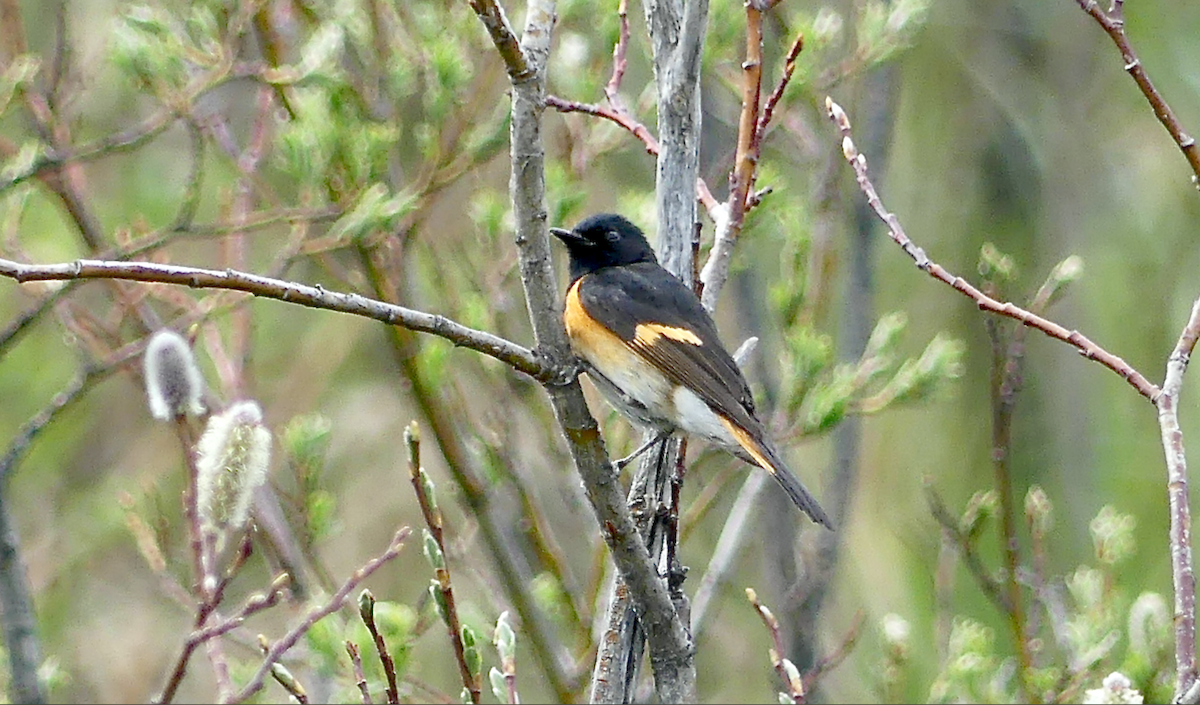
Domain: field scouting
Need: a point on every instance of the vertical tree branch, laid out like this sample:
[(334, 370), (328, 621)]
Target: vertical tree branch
[(1182, 570), (670, 645), (16, 607)]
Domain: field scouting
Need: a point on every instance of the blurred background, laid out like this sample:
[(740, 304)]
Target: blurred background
[(362, 145)]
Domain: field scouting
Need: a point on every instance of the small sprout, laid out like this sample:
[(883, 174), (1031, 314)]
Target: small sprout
[(499, 684), (232, 459), (838, 116), (994, 265), (433, 552), (1112, 535), (505, 639), (428, 487), (849, 151), (793, 676), (1116, 688), (173, 381), (439, 600), (471, 652), (1039, 511), (980, 507), (1068, 270), (366, 605), (287, 680)]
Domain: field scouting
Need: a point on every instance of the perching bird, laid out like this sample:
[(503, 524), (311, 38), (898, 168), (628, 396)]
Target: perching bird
[(653, 351)]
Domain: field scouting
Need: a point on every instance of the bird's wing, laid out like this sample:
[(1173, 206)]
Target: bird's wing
[(661, 320)]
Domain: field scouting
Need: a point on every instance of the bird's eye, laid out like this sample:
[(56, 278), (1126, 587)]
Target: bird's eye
[(612, 236)]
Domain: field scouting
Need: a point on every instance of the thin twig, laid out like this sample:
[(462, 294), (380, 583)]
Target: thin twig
[(433, 519), (1113, 23), (333, 605), (366, 610), (837, 656), (1074, 338), (254, 604), (786, 670), (966, 548), (360, 678)]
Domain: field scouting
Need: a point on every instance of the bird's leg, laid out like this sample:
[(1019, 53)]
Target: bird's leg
[(658, 438)]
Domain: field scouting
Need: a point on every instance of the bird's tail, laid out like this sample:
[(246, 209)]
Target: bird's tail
[(768, 459)]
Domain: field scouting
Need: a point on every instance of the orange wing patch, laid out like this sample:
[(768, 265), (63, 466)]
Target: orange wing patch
[(748, 444), (648, 333)]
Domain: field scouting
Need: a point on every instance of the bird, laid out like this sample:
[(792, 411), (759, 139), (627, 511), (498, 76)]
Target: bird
[(653, 351)]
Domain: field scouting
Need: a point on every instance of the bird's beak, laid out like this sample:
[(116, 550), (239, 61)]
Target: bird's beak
[(567, 236)]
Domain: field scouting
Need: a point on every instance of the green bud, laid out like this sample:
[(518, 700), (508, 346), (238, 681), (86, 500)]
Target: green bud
[(1039, 511), (366, 605), (1113, 535), (428, 488), (433, 552), (994, 265), (499, 684), (439, 600), (505, 638)]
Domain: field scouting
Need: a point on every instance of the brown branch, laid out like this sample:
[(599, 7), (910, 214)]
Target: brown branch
[(1182, 570), (786, 670), (1113, 23), (333, 605), (966, 548), (360, 678), (366, 610), (253, 605), (521, 359), (433, 520), (1085, 346), (836, 657), (493, 18)]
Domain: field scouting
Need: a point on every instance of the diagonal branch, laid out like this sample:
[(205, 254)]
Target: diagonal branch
[(1004, 308), (670, 645), (1113, 23), (520, 358)]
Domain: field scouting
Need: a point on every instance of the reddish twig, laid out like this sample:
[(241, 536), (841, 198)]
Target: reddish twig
[(360, 678), (333, 605), (1085, 346), (835, 657), (366, 610), (253, 605), (1113, 23), (786, 670), (433, 519)]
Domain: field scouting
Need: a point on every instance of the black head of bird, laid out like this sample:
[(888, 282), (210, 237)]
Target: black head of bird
[(604, 240)]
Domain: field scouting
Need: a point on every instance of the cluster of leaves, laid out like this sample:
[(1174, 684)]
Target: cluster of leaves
[(1087, 626)]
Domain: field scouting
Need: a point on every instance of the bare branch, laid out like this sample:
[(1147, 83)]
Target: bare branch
[(1182, 570), (521, 359), (333, 605), (1072, 337), (1113, 23)]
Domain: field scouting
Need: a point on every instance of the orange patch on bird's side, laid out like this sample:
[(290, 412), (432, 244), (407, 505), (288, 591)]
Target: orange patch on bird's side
[(648, 333), (747, 443)]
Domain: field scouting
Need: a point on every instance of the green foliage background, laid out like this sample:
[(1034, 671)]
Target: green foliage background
[(1013, 124)]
